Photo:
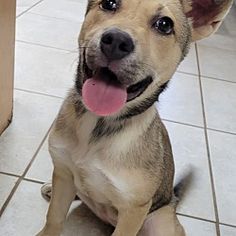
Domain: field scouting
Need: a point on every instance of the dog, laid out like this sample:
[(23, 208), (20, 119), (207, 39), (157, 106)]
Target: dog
[(108, 144)]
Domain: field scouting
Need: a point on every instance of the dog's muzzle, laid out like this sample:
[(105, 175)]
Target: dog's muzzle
[(104, 92)]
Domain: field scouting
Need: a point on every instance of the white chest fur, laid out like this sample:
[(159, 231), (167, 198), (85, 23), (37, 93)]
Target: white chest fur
[(100, 178)]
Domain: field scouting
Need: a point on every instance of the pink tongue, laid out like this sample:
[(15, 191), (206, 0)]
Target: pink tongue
[(103, 97)]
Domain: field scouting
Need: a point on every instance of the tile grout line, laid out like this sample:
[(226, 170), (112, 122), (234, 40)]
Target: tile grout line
[(38, 93), (34, 181), (197, 126), (196, 218), (57, 18), (26, 179), (3, 208), (205, 220), (186, 73), (218, 79), (207, 77), (9, 174), (28, 9), (228, 225), (182, 123), (46, 46), (221, 131), (208, 148)]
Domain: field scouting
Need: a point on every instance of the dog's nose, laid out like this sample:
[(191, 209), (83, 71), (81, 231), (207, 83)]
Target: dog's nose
[(116, 44)]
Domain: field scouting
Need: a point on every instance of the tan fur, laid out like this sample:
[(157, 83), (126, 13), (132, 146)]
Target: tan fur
[(122, 169)]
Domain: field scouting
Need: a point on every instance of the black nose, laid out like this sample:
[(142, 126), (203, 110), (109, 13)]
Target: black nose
[(116, 44)]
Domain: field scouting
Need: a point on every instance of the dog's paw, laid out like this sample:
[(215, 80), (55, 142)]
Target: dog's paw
[(46, 191)]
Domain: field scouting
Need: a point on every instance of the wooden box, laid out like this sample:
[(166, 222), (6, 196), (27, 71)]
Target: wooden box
[(7, 45)]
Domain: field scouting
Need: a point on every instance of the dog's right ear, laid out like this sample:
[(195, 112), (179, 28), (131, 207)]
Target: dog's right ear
[(206, 16)]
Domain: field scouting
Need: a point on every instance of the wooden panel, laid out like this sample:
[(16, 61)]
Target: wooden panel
[(7, 45)]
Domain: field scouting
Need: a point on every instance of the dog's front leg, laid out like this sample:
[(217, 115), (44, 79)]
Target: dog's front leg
[(63, 193), (130, 220)]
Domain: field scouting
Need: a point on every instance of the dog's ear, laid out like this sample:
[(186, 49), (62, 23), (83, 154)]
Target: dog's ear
[(206, 15)]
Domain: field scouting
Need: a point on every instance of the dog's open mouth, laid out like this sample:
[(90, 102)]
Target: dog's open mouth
[(103, 93)]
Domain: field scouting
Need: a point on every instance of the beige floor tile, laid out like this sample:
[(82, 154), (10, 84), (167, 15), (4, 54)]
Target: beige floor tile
[(25, 213), (189, 65), (181, 101), (219, 42), (189, 150), (48, 31), (223, 153), (220, 103), (23, 5), (217, 63), (65, 9), (44, 70), (42, 166), (227, 231), (197, 228), (6, 185), (28, 209), (33, 116)]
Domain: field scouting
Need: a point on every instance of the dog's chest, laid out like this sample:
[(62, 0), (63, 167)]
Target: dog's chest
[(101, 177), (103, 186), (97, 166)]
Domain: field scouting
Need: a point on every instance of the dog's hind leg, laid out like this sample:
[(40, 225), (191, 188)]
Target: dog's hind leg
[(130, 220), (162, 222), (63, 193)]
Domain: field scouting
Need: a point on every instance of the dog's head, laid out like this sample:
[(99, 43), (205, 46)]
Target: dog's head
[(129, 49)]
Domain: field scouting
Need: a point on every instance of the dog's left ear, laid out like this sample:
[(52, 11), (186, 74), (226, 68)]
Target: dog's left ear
[(206, 15)]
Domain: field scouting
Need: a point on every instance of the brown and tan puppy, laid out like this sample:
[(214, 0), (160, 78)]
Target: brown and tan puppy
[(108, 144)]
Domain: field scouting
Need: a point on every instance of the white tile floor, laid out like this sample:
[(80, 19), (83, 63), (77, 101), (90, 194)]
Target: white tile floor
[(199, 110)]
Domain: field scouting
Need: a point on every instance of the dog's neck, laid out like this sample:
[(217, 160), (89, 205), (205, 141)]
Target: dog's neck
[(109, 126)]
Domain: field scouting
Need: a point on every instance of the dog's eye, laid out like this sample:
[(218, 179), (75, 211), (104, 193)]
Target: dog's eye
[(109, 5), (164, 25)]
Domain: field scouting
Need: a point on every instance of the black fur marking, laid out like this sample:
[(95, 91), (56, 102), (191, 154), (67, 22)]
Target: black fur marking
[(144, 105), (79, 108), (78, 80), (160, 201), (89, 6), (103, 128), (185, 41)]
